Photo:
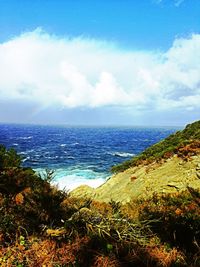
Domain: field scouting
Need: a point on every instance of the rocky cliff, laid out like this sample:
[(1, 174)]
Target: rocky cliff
[(157, 173)]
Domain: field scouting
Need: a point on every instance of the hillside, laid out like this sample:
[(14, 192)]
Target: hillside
[(164, 148), (113, 226), (169, 166)]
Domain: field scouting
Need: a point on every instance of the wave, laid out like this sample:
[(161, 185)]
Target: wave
[(22, 153), (69, 179), (30, 150), (122, 154), (63, 145), (26, 137), (75, 144), (51, 157), (94, 148), (27, 158), (71, 182)]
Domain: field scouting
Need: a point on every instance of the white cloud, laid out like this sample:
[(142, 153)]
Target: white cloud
[(79, 72), (176, 3)]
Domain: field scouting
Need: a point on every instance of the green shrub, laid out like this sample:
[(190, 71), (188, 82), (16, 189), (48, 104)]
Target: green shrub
[(27, 200), (9, 158)]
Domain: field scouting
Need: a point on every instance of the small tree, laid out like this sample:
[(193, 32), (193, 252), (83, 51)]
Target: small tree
[(9, 158)]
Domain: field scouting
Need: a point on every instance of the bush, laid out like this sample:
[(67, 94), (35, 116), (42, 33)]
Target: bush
[(177, 220), (41, 226), (26, 199), (9, 158)]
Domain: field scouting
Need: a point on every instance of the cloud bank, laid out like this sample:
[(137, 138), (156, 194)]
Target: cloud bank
[(68, 73)]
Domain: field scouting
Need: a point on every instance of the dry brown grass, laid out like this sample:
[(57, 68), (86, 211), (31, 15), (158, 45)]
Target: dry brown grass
[(48, 253), (105, 261), (164, 257)]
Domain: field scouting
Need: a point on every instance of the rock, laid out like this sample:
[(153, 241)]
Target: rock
[(83, 191), (56, 232), (198, 167), (173, 185), (169, 177), (133, 178), (83, 214), (198, 174)]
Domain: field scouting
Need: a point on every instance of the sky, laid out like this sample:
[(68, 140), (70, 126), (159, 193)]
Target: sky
[(108, 62)]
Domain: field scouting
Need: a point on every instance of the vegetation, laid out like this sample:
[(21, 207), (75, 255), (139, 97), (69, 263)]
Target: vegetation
[(178, 221), (166, 148), (43, 226)]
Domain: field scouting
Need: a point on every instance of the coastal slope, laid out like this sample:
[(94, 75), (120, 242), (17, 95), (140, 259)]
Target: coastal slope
[(159, 173)]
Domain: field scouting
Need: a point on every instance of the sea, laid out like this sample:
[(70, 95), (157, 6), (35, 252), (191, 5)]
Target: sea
[(78, 155)]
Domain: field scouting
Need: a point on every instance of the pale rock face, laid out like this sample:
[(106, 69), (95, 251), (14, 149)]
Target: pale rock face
[(142, 182), (198, 170)]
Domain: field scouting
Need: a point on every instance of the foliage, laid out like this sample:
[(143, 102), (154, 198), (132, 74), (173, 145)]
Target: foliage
[(176, 220), (26, 199), (9, 158), (166, 148), (42, 226)]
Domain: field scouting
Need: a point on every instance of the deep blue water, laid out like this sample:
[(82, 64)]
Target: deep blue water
[(78, 154)]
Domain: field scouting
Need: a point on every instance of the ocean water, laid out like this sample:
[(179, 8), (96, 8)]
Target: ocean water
[(78, 155)]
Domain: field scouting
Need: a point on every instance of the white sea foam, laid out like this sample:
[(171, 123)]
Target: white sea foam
[(30, 151), (27, 158), (122, 154), (26, 137), (69, 179), (22, 153), (52, 157), (71, 182), (75, 143), (63, 145)]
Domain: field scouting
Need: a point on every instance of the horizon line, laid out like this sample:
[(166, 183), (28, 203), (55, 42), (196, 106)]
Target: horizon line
[(94, 125)]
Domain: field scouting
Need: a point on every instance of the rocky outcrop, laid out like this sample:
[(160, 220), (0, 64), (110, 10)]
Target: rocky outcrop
[(142, 182), (170, 166), (198, 170)]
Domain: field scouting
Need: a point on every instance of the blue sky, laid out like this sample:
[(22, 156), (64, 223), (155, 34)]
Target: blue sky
[(146, 24), (100, 62)]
